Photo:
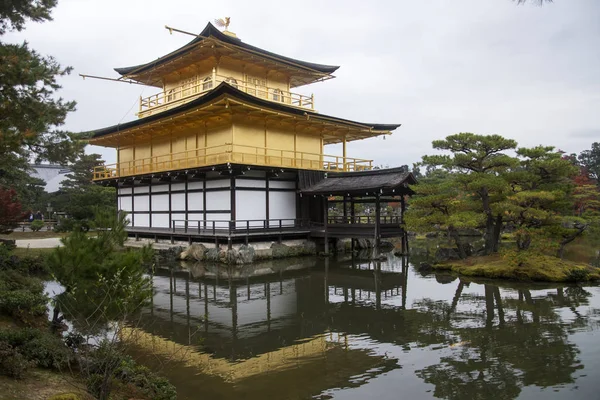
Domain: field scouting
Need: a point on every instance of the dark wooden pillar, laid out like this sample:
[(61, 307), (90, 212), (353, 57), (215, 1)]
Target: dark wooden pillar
[(345, 209), (377, 221), (325, 223), (404, 233)]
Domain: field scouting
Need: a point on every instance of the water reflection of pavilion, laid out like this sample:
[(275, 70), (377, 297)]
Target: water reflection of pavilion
[(248, 327)]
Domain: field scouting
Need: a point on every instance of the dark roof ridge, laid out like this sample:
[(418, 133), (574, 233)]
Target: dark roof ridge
[(379, 171), (211, 30), (225, 88)]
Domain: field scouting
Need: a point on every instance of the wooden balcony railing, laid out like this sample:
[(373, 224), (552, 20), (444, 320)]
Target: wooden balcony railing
[(201, 85), (231, 153)]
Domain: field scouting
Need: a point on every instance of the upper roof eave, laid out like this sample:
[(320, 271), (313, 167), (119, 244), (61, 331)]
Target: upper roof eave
[(211, 30), (226, 89)]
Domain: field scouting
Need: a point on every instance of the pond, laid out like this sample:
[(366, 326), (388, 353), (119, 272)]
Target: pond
[(351, 329)]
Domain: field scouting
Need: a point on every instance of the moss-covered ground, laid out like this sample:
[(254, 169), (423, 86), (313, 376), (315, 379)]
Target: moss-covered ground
[(539, 268), (43, 384)]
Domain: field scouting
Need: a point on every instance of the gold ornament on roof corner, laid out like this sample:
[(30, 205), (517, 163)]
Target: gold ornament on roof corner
[(223, 22)]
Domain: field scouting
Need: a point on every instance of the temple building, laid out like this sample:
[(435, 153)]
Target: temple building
[(226, 146)]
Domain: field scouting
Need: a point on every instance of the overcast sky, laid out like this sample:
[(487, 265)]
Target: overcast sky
[(438, 67)]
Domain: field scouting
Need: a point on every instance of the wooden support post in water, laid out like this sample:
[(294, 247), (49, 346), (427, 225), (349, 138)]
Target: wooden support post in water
[(404, 233)]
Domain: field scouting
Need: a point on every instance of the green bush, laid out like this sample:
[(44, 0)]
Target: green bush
[(33, 265), (149, 383), (64, 225), (36, 225), (72, 225), (25, 265), (21, 296), (578, 275), (22, 303), (41, 348), (12, 363)]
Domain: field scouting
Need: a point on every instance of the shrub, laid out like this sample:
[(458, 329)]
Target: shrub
[(33, 265), (48, 351), (41, 348), (22, 303), (64, 225), (578, 275), (12, 363), (71, 225), (21, 296), (25, 265), (36, 225), (149, 383)]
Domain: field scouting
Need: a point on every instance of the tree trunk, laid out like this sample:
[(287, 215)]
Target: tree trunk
[(566, 241), (497, 233), (523, 241), (453, 233), (489, 222)]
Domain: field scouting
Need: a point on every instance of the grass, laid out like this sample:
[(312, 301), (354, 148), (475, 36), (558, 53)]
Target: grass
[(539, 268), (30, 252), (42, 384), (43, 234)]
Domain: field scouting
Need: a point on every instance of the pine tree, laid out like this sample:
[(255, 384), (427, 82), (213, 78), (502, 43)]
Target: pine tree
[(30, 110)]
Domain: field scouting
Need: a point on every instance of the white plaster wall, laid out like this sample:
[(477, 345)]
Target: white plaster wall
[(194, 218), (195, 185), (180, 217), (142, 220), (253, 183), (218, 200), (223, 219), (282, 184), (178, 201), (141, 203), (250, 205), (160, 202), (141, 189), (160, 188), (195, 201), (125, 203), (160, 220), (218, 183), (282, 205)]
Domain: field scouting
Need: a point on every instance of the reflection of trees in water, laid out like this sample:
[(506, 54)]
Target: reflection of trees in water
[(506, 343)]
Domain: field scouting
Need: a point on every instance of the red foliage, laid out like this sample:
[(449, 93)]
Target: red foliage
[(10, 210), (586, 193)]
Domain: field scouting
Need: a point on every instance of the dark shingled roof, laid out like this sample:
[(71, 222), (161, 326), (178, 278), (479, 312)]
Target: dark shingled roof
[(384, 181), (226, 89), (210, 30)]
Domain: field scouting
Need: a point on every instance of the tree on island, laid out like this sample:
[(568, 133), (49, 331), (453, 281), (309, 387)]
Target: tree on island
[(473, 186), (486, 183)]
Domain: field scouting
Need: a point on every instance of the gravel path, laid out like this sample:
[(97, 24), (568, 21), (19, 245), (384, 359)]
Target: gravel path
[(47, 243)]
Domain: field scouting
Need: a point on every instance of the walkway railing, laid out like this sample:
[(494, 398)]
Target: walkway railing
[(201, 85), (363, 219), (231, 153), (238, 227)]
